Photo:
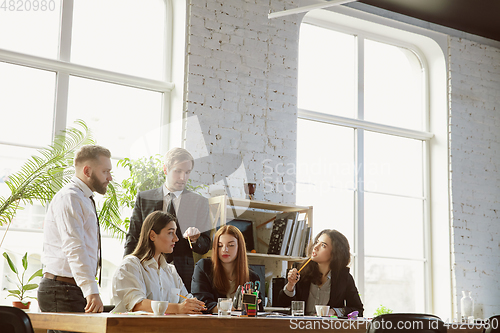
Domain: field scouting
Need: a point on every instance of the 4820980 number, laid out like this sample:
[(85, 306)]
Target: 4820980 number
[(28, 5)]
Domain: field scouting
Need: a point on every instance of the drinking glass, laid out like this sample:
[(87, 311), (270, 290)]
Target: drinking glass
[(224, 306), (298, 308), (322, 310)]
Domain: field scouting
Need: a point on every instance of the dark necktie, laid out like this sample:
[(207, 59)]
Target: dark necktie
[(171, 210), (99, 259), (171, 207)]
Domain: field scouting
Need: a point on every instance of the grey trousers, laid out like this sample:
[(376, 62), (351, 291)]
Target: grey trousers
[(58, 296)]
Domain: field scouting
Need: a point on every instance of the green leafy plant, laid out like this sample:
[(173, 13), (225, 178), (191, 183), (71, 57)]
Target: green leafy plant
[(22, 287), (42, 175), (381, 310), (145, 173)]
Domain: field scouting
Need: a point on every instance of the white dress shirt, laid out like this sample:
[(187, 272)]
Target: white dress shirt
[(166, 198), (70, 236), (134, 282)]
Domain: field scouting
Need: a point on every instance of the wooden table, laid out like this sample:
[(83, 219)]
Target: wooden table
[(112, 323)]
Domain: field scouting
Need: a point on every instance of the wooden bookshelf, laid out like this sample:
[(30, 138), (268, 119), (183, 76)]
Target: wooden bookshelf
[(262, 214), (223, 209)]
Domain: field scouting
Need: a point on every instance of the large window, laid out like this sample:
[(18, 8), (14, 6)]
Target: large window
[(105, 62), (363, 156)]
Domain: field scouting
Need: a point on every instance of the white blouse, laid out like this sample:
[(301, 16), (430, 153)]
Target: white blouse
[(134, 282)]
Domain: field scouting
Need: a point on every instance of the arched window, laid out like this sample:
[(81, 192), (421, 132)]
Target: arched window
[(363, 151)]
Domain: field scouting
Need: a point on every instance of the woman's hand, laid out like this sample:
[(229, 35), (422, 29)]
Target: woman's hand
[(192, 305), (293, 278)]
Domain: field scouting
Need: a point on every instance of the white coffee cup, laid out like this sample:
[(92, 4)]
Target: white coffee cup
[(322, 310), (159, 307)]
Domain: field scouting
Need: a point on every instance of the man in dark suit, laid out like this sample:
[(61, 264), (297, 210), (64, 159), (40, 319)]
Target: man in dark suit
[(190, 208)]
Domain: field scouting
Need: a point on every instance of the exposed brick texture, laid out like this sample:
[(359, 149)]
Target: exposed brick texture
[(242, 85), (475, 164)]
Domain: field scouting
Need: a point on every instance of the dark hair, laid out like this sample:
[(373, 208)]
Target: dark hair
[(221, 281), (155, 221), (340, 257)]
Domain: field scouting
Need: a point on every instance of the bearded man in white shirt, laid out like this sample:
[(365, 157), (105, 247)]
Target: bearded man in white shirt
[(71, 245)]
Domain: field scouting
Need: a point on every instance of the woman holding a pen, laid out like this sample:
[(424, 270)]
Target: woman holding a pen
[(220, 276), (324, 279), (145, 276)]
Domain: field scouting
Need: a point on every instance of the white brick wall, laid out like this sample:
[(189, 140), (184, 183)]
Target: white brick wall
[(241, 84), (475, 163)]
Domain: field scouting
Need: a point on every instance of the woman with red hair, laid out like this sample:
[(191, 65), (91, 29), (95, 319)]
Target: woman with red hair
[(220, 276)]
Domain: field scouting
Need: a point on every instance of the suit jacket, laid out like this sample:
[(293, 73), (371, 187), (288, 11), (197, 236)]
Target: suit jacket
[(203, 285), (343, 293), (192, 212)]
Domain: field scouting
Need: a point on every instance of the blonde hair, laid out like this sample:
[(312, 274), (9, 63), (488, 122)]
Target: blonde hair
[(90, 152), (176, 155)]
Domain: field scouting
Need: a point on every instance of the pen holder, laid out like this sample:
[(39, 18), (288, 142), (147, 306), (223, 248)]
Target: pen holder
[(249, 305)]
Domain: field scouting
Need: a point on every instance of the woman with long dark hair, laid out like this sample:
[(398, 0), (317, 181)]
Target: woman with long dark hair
[(325, 280), (145, 275), (220, 276)]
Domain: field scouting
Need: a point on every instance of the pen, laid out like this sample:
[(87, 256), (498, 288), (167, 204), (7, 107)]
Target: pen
[(189, 240), (301, 268)]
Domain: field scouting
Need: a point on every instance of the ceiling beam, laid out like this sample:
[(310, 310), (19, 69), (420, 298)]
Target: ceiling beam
[(307, 8)]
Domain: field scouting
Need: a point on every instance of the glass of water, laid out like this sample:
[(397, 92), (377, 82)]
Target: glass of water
[(224, 306), (298, 308)]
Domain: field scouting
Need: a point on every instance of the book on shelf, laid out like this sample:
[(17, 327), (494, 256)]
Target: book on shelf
[(302, 241), (290, 238), (298, 238), (294, 249), (293, 236), (286, 237), (292, 221), (305, 242), (278, 241)]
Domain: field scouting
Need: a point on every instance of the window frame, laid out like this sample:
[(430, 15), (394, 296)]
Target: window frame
[(63, 68), (171, 87), (359, 125)]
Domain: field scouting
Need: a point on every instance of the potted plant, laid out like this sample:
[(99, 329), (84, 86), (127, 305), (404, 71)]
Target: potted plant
[(42, 175), (22, 286), (381, 310)]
